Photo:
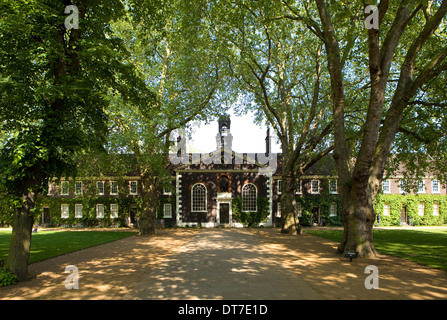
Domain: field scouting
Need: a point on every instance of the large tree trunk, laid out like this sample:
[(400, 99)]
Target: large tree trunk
[(289, 219), (19, 249), (358, 221), (150, 192)]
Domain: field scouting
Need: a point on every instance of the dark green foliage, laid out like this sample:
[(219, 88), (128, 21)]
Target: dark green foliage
[(7, 278), (251, 219)]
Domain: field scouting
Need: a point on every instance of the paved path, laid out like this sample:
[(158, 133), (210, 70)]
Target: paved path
[(223, 264)]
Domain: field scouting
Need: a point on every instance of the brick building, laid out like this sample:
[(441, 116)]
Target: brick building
[(222, 187)]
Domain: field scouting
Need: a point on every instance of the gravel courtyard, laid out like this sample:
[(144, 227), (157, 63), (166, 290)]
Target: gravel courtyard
[(224, 264)]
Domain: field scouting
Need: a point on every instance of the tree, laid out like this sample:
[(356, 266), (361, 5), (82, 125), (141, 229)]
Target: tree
[(53, 85), (401, 46), (277, 66), (175, 62)]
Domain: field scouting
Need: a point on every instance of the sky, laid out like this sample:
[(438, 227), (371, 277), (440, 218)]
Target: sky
[(247, 136)]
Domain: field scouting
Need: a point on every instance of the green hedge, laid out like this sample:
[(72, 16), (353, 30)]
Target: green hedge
[(411, 202)]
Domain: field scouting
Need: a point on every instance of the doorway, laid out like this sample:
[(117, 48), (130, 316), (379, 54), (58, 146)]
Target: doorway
[(46, 217), (133, 217), (403, 216), (224, 213), (315, 219)]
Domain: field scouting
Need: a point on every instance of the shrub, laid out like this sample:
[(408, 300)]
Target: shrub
[(7, 278)]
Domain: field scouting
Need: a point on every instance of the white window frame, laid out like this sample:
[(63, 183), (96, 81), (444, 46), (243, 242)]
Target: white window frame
[(249, 202), (98, 189), (78, 210), (435, 208), (204, 202), (299, 189), (112, 184), (278, 210), (134, 193), (65, 182), (299, 209), (65, 211), (402, 183), (386, 209), (279, 186), (433, 186), (333, 209), (421, 185), (113, 210), (312, 187), (99, 211), (421, 208), (167, 191), (78, 192), (331, 190), (167, 210), (386, 186)]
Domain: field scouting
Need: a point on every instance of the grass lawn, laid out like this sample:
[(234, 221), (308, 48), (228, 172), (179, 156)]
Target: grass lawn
[(423, 245), (47, 244)]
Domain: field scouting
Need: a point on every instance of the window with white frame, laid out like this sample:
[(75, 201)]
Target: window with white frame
[(435, 186), (65, 188), (64, 211), (299, 188), (333, 210), (315, 186), (78, 210), (279, 186), (386, 186), (435, 209), (421, 208), (402, 186), (198, 198), (133, 190), (421, 186), (113, 210), (78, 187), (333, 186), (386, 209), (249, 198), (167, 190), (299, 209), (100, 187), (278, 210), (167, 210), (113, 188), (99, 211)]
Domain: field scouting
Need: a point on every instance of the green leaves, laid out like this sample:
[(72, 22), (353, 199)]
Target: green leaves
[(54, 85)]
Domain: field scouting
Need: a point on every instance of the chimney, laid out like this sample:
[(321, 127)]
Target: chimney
[(268, 147), (181, 146)]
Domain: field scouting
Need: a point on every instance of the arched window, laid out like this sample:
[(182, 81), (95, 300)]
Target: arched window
[(198, 198), (249, 195)]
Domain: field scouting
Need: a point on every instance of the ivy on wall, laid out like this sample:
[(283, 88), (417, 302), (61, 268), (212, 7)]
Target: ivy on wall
[(251, 219), (89, 218), (160, 210), (324, 203), (411, 202)]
